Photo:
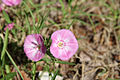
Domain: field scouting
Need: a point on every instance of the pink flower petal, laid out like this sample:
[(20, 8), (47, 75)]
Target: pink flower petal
[(38, 56), (34, 47), (64, 55), (11, 2), (55, 51), (9, 26)]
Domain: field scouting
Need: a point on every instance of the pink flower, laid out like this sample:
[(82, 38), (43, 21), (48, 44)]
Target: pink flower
[(11, 2), (64, 44), (34, 47), (9, 26)]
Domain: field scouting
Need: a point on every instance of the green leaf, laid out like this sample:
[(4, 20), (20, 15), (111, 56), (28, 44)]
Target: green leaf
[(112, 79), (10, 75), (6, 17), (2, 79), (64, 62), (0, 69), (45, 59), (63, 7), (5, 44), (69, 2), (31, 13), (7, 68)]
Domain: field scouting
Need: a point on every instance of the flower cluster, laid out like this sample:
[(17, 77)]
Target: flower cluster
[(64, 45)]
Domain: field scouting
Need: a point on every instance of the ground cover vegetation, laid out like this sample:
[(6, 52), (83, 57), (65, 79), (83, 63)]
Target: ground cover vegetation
[(74, 39)]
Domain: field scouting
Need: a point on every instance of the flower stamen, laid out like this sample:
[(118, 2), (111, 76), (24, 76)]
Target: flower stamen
[(60, 44)]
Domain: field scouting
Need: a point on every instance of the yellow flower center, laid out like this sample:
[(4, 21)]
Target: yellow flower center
[(60, 44)]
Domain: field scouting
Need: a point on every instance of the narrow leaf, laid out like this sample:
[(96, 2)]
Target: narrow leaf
[(64, 62), (6, 17), (5, 44)]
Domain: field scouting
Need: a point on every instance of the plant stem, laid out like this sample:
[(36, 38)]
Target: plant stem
[(34, 70), (3, 64)]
